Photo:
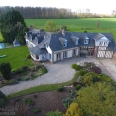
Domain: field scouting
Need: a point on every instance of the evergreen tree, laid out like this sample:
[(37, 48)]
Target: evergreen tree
[(12, 22), (5, 70)]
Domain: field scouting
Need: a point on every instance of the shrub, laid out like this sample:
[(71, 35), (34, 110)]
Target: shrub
[(55, 113), (5, 70), (28, 56), (69, 99), (104, 78), (78, 86), (96, 70), (89, 78), (28, 101), (82, 72), (24, 67), (59, 88), (44, 70), (74, 110), (73, 66), (77, 67), (3, 99), (36, 110), (18, 71)]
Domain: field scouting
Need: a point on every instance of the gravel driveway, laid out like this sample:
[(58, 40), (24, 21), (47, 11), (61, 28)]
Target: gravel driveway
[(57, 73)]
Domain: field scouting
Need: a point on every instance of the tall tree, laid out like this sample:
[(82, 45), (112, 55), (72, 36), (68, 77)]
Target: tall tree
[(8, 23), (50, 26)]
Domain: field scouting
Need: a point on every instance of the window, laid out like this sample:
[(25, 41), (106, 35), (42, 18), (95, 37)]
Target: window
[(74, 52), (86, 41), (58, 56), (64, 54), (50, 56), (43, 56), (65, 43), (76, 42), (37, 56)]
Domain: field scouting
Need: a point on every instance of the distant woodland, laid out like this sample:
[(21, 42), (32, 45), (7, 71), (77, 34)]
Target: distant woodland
[(48, 12)]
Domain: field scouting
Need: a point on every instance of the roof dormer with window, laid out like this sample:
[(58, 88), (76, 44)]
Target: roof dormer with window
[(63, 41), (86, 40), (75, 39), (101, 40)]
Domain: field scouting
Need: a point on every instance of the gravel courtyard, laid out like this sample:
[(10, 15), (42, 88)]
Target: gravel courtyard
[(57, 73)]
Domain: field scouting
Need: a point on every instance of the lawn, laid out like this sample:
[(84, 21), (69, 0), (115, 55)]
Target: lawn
[(107, 25), (1, 38), (15, 56)]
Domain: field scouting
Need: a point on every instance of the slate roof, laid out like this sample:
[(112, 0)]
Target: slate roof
[(15, 42), (36, 50), (55, 44), (98, 36)]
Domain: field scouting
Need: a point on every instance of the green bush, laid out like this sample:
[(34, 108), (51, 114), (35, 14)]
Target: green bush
[(73, 66), (89, 78), (77, 67), (28, 56), (5, 70), (28, 101), (18, 71), (36, 110), (78, 86), (59, 88), (3, 99), (55, 113), (104, 78), (24, 67), (44, 70), (82, 72)]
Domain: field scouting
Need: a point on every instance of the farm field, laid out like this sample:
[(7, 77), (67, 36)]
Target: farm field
[(107, 25), (15, 56)]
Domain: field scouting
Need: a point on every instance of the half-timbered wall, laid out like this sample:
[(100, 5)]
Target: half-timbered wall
[(104, 54)]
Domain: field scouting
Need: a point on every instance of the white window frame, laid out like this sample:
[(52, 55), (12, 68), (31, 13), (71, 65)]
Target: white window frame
[(64, 54), (86, 41), (58, 56)]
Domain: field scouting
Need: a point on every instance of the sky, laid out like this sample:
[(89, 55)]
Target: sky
[(95, 6)]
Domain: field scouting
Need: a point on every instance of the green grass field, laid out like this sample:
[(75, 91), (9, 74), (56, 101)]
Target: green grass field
[(107, 25), (1, 38), (15, 56)]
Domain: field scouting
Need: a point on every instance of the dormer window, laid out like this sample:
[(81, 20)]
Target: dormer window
[(75, 39), (86, 40), (63, 41)]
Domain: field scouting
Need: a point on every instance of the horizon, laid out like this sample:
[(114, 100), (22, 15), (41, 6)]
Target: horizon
[(95, 6)]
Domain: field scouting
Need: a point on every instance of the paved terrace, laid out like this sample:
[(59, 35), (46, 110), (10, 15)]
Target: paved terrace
[(60, 72)]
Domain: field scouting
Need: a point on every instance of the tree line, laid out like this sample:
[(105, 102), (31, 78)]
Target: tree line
[(50, 12), (39, 12)]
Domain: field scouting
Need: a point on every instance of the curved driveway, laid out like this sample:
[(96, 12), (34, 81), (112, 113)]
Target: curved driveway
[(57, 73)]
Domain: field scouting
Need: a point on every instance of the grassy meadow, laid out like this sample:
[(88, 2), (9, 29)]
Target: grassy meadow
[(15, 56), (1, 38), (107, 25)]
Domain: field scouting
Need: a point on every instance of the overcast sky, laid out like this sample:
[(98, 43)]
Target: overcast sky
[(95, 6)]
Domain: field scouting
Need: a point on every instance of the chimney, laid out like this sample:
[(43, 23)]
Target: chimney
[(63, 32)]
